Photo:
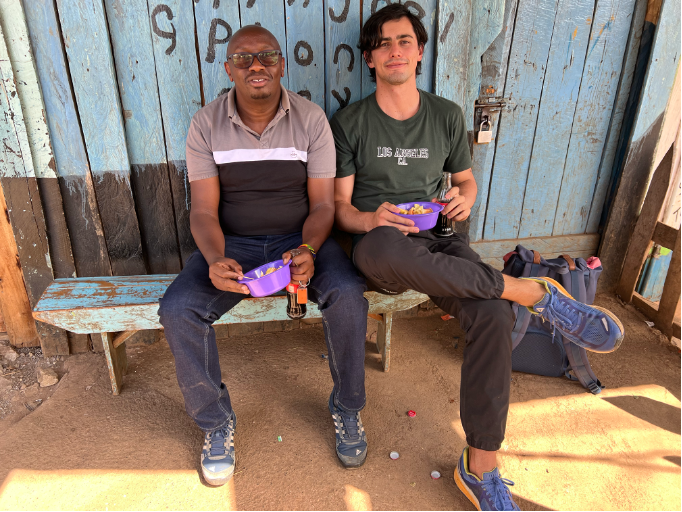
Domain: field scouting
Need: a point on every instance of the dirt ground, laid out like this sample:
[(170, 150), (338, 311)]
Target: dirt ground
[(75, 446)]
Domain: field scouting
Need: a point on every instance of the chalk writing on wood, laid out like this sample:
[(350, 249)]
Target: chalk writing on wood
[(344, 13), (162, 33), (305, 49), (302, 60), (215, 24), (213, 40), (347, 48)]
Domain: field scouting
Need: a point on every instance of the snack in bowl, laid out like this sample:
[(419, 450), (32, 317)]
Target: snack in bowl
[(424, 214), (417, 209)]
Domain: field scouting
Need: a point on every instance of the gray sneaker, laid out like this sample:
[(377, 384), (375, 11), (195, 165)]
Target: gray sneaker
[(351, 441), (217, 456)]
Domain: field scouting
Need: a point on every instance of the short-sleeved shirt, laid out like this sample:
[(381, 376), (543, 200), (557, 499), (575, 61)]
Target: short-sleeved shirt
[(399, 161), (263, 178)]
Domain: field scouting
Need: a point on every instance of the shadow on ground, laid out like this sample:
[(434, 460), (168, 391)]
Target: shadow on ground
[(565, 448)]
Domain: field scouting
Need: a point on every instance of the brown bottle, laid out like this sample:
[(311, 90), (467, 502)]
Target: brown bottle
[(443, 227)]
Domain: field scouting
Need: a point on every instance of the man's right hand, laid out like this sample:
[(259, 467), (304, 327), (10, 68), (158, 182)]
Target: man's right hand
[(385, 216), (224, 272)]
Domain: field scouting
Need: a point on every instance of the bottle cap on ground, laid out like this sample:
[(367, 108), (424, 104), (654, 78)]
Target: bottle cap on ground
[(435, 475), (411, 414), (394, 455)]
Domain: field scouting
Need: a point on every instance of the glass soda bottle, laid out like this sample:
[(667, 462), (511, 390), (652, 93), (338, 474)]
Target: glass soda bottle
[(297, 297), (444, 225)]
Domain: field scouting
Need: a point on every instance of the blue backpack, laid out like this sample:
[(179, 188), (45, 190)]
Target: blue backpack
[(537, 347)]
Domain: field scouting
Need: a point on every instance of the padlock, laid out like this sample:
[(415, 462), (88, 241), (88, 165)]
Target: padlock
[(485, 133)]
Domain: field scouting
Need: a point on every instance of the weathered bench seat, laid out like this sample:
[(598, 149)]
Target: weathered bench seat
[(117, 307)]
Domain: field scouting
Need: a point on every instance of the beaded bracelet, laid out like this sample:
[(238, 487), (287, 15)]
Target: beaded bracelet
[(310, 248)]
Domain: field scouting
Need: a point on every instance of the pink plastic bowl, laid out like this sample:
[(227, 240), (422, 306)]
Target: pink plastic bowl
[(272, 283), (423, 221)]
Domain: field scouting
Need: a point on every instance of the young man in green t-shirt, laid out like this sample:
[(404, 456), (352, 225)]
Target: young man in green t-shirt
[(392, 147)]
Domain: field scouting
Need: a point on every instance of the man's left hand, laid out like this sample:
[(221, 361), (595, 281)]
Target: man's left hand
[(456, 209), (302, 265)]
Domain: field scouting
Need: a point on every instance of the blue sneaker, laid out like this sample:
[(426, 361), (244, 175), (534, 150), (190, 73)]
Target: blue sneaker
[(491, 493), (217, 456), (351, 441), (591, 327)]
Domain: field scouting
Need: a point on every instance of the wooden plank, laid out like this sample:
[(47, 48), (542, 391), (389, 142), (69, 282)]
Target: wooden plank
[(493, 75), (640, 243), (121, 338), (560, 89), (649, 308), (15, 29), (620, 123), (670, 299), (90, 305), (608, 41), (269, 15), (487, 22), (305, 49), (23, 208), (384, 340), (343, 65), (134, 58), (117, 362), (578, 246), (452, 49), (177, 73), (426, 11), (71, 163), (525, 76), (637, 169), (664, 235), (14, 304), (92, 73), (216, 22)]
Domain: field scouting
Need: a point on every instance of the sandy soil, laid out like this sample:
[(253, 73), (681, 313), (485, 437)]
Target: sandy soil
[(82, 448)]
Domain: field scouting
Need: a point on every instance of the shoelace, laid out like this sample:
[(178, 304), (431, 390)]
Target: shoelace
[(218, 440), (351, 427), (556, 312), (497, 489)]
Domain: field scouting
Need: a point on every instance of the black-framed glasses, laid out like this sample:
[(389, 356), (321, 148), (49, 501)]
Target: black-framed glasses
[(244, 60)]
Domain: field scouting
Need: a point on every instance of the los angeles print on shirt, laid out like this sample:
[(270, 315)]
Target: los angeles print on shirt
[(402, 154)]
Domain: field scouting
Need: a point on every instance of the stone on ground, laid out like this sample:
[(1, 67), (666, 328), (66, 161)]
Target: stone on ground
[(8, 353), (47, 377)]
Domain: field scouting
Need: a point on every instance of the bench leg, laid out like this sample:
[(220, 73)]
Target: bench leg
[(384, 339), (117, 361)]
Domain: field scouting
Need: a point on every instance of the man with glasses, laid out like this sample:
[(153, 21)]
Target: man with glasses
[(392, 148), (261, 166)]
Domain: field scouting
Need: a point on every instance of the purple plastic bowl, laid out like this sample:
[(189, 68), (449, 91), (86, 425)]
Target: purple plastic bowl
[(272, 283), (423, 221)]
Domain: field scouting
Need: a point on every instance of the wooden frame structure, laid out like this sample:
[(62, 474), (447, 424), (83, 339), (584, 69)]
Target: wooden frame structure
[(648, 231)]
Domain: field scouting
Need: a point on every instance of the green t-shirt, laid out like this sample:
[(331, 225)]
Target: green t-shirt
[(399, 161)]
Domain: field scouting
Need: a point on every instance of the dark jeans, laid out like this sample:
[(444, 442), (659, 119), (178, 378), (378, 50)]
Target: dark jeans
[(456, 279), (191, 305)]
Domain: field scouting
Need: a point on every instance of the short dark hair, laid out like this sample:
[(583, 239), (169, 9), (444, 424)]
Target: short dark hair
[(370, 35)]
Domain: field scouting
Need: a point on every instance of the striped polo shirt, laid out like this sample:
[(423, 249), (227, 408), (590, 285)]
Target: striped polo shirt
[(263, 178)]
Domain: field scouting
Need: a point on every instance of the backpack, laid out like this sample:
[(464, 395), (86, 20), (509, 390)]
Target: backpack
[(537, 347)]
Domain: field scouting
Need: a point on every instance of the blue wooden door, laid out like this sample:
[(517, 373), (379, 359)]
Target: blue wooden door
[(554, 70)]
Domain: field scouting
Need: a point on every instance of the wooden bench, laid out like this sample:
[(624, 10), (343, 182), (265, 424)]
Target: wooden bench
[(118, 307)]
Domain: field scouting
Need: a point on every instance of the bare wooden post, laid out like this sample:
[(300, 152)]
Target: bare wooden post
[(640, 243), (384, 339), (117, 361), (14, 303), (670, 299)]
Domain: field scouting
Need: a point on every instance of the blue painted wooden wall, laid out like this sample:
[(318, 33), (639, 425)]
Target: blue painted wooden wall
[(140, 69)]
